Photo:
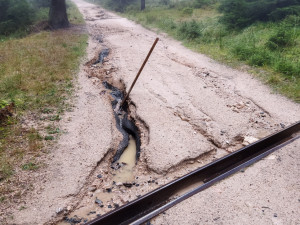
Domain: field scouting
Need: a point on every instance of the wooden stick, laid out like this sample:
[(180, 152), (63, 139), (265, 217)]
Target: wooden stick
[(138, 74)]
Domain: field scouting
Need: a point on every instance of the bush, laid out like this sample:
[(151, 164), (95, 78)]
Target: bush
[(203, 3), (242, 13), (243, 51), (15, 15), (39, 3), (168, 24), (282, 13), (164, 2), (260, 57), (187, 11), (282, 38), (189, 30), (288, 68), (118, 5)]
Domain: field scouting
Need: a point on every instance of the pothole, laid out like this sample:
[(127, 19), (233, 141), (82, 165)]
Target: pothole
[(128, 151), (123, 175)]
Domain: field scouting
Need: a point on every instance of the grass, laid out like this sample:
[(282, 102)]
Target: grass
[(272, 55), (36, 74)]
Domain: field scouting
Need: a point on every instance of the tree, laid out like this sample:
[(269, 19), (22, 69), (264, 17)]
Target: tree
[(142, 4), (58, 14)]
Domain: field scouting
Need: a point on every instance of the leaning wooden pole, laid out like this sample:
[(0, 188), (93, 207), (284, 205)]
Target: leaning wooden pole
[(138, 74)]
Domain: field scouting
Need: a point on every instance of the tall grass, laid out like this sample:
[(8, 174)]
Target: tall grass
[(36, 74), (272, 46)]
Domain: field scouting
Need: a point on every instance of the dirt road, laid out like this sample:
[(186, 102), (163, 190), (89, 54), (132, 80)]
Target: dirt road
[(190, 110)]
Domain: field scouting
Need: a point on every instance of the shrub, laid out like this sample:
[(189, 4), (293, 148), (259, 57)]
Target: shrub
[(15, 14), (168, 24), (187, 11), (150, 18), (243, 51), (189, 30), (282, 13), (282, 38), (242, 13), (203, 3), (118, 5), (288, 68), (260, 57), (39, 3), (164, 2)]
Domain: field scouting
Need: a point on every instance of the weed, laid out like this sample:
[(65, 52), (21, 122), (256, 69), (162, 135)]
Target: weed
[(2, 199), (52, 130), (55, 118), (187, 11), (47, 110), (34, 140), (74, 15), (22, 208), (49, 138), (30, 166), (260, 57)]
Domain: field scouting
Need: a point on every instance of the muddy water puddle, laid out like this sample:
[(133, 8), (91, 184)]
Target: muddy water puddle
[(128, 160)]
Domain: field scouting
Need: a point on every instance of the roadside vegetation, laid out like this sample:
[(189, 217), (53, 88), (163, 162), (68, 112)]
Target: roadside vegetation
[(264, 34), (37, 68)]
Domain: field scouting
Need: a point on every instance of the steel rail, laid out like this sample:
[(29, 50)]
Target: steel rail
[(163, 198)]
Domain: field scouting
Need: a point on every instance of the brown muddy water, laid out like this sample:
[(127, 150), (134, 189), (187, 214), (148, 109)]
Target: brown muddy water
[(128, 160), (102, 199)]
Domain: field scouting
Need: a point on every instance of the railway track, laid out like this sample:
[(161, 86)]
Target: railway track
[(150, 205)]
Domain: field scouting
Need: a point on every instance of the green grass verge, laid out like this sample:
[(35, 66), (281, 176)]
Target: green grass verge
[(270, 49), (36, 74)]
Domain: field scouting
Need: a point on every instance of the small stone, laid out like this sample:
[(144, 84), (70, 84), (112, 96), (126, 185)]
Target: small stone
[(91, 212), (109, 206), (235, 110), (59, 210), (275, 214), (99, 176), (249, 140), (215, 219), (282, 125), (119, 183), (128, 185), (99, 202), (98, 215), (116, 205), (248, 204), (108, 190), (92, 188), (137, 185)]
